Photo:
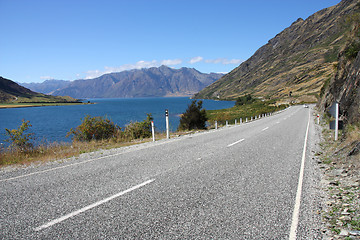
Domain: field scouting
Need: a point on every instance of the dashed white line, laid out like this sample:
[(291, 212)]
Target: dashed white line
[(63, 218), (232, 144), (265, 129)]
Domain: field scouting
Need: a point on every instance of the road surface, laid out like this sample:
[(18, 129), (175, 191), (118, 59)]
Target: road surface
[(237, 182)]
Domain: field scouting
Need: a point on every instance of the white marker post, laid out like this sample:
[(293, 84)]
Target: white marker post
[(227, 123), (336, 120), (246, 120), (240, 120), (235, 122), (318, 119), (216, 125), (167, 124), (153, 130)]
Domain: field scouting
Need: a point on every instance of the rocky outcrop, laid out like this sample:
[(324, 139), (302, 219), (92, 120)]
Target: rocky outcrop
[(344, 87)]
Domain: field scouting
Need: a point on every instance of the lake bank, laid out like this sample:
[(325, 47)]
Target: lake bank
[(52, 123), (26, 105)]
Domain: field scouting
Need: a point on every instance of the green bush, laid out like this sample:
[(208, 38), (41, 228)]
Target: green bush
[(194, 117), (244, 100), (18, 139), (94, 128), (136, 130), (352, 50)]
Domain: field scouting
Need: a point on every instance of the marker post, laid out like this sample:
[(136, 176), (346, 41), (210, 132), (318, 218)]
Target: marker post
[(167, 124)]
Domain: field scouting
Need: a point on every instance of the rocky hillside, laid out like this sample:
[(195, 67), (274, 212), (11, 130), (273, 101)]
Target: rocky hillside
[(344, 86), (11, 92), (151, 82), (294, 64)]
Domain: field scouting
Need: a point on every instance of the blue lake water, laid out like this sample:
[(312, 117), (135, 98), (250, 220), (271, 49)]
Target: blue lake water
[(52, 123)]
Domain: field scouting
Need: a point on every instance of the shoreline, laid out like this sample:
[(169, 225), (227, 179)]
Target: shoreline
[(26, 105)]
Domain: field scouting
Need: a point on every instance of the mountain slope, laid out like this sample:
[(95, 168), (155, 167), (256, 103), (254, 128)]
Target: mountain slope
[(151, 82), (297, 61), (12, 92), (9, 90), (46, 87)]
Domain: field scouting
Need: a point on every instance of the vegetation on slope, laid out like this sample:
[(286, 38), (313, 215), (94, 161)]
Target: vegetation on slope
[(298, 60)]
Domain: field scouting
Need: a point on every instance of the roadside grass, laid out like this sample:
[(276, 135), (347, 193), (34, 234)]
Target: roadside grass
[(244, 111), (55, 151)]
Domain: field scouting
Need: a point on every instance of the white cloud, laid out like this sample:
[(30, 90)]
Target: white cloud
[(224, 61), (196, 59), (137, 65), (155, 63), (171, 62)]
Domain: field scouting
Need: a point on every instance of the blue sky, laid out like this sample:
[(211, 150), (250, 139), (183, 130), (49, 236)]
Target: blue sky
[(73, 39)]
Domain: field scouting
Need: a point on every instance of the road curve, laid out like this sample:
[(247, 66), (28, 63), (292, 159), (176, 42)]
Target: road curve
[(237, 182)]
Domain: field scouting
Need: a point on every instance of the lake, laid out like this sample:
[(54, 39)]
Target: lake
[(51, 123)]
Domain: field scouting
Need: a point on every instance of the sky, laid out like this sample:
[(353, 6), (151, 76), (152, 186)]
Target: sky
[(81, 39)]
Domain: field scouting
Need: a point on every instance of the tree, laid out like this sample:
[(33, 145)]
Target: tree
[(19, 139), (244, 100), (194, 117)]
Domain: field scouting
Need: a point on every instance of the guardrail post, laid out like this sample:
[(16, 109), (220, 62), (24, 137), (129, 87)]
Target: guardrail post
[(240, 120), (246, 120), (216, 125), (235, 121), (227, 123)]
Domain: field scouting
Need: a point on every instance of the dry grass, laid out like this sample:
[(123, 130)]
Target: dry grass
[(56, 151)]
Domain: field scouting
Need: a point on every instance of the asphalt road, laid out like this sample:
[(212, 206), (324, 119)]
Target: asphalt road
[(238, 182)]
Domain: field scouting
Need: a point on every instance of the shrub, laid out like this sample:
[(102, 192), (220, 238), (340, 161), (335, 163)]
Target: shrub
[(94, 128), (136, 130), (18, 139), (194, 117), (352, 50), (244, 100)]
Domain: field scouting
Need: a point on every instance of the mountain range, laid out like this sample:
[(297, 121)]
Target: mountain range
[(147, 82), (295, 64)]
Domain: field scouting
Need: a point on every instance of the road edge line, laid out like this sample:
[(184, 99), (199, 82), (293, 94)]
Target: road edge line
[(296, 211)]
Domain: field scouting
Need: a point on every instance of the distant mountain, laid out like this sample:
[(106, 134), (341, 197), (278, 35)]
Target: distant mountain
[(12, 92), (46, 87), (294, 64), (151, 82)]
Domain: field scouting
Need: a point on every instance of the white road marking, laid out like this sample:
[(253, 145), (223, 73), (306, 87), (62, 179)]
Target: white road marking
[(265, 129), (295, 216), (232, 144), (63, 218), (277, 122)]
